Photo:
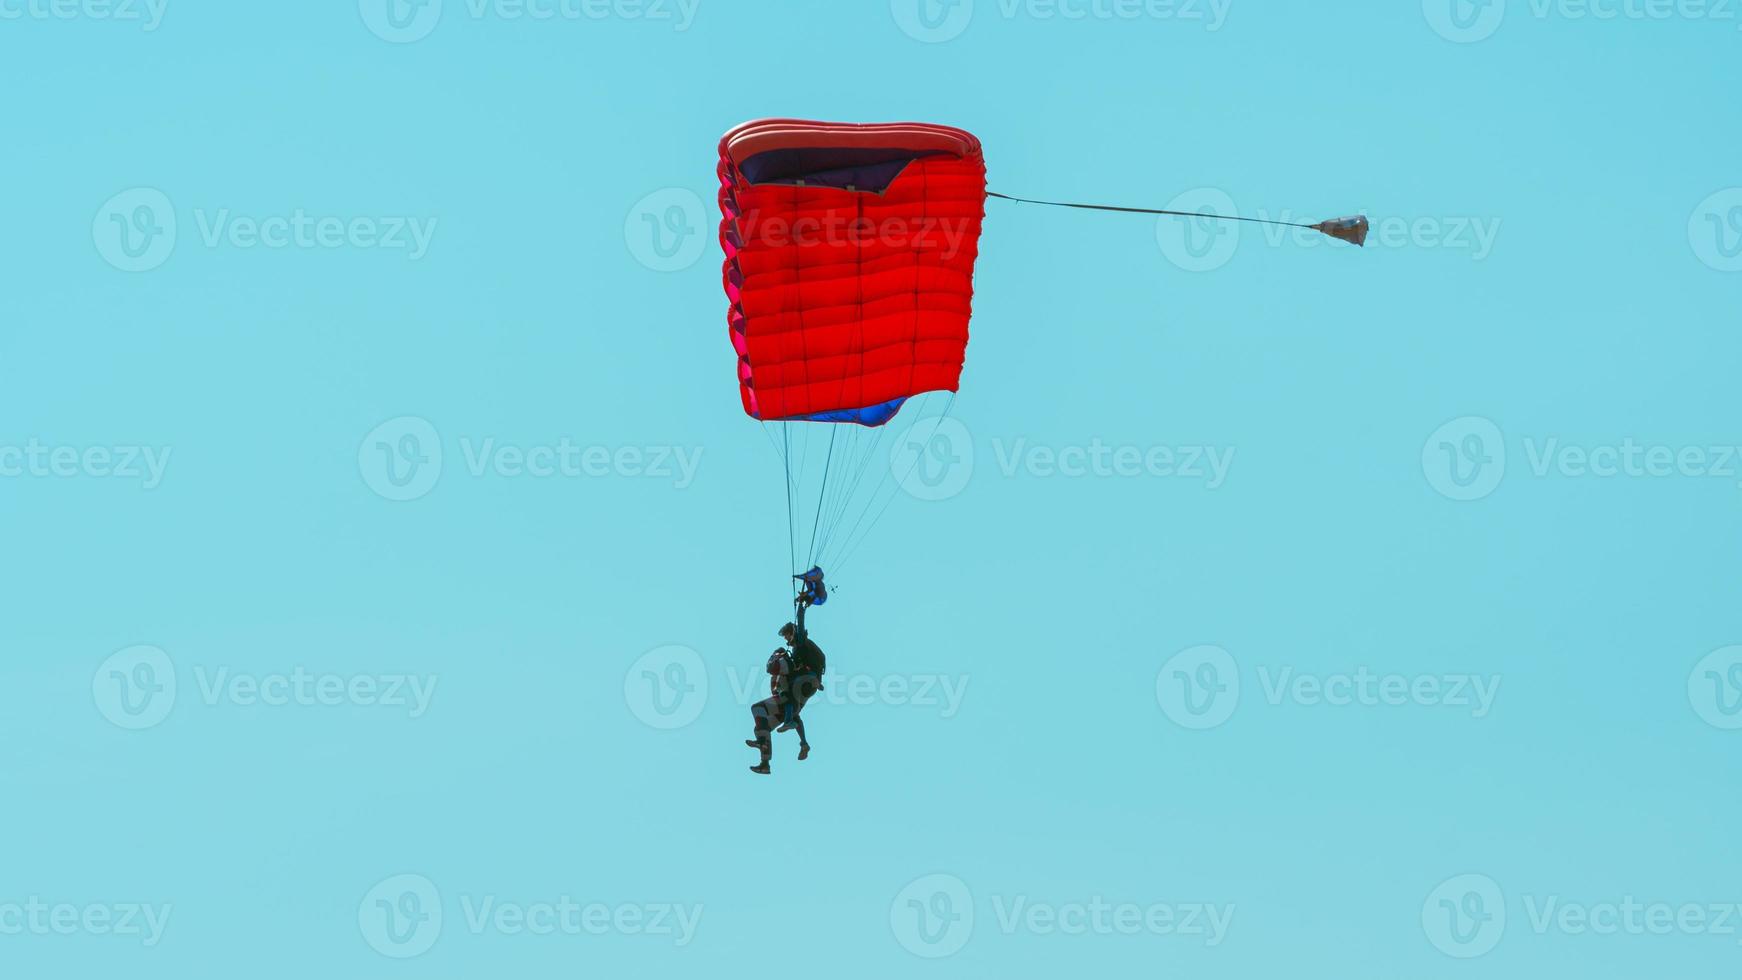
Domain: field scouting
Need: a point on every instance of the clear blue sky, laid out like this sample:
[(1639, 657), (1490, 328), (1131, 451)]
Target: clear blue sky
[(239, 238)]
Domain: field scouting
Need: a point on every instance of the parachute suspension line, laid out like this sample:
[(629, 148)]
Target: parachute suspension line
[(857, 538), (876, 451), (858, 463), (888, 470), (866, 460), (767, 430), (822, 494), (774, 445), (834, 485), (853, 544), (791, 534), (1352, 230)]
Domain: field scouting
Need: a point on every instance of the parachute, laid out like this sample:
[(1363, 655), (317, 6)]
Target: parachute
[(849, 273), (849, 268)]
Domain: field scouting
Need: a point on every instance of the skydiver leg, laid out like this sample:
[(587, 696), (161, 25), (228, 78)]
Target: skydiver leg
[(762, 717), (804, 686)]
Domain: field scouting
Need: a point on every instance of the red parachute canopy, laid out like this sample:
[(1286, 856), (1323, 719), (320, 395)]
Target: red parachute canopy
[(850, 255)]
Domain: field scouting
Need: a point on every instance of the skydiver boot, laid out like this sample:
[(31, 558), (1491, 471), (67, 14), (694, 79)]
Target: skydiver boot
[(804, 751)]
